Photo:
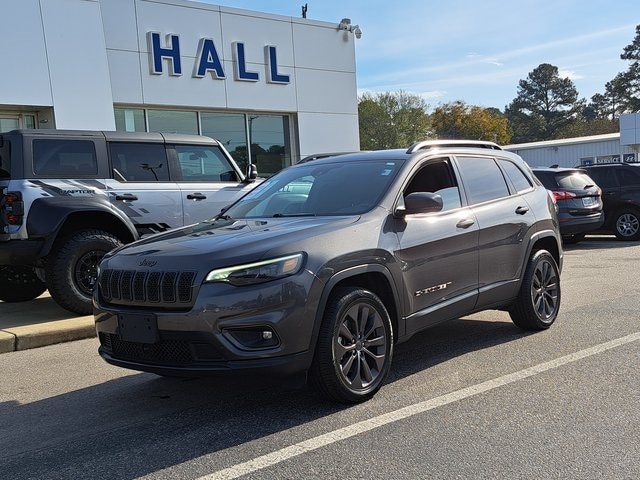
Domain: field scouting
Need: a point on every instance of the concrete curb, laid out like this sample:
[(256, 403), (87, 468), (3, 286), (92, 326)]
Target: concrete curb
[(24, 337)]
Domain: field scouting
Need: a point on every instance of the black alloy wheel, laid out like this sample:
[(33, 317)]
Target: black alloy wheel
[(538, 302), (355, 346)]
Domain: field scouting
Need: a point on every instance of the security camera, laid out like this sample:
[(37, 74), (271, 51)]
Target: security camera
[(356, 31), (344, 24)]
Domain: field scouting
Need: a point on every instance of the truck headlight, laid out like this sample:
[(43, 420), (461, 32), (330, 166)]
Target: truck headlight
[(258, 272)]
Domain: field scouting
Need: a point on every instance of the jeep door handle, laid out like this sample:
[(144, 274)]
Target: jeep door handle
[(126, 197), (522, 210), (465, 223), (196, 196)]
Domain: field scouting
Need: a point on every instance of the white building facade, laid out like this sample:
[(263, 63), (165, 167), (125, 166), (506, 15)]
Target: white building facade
[(271, 88), (572, 152)]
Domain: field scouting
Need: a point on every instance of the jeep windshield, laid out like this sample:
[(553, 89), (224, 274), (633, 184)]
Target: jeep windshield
[(337, 188)]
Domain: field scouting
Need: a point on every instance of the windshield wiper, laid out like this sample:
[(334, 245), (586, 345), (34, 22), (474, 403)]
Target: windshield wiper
[(301, 214)]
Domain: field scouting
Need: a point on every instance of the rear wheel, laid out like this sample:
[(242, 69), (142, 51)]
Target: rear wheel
[(355, 346), (72, 268), (538, 302), (19, 284), (627, 224)]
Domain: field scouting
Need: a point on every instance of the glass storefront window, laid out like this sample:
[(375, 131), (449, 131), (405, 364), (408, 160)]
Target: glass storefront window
[(229, 129), (173, 121), (129, 119), (270, 134), (270, 147)]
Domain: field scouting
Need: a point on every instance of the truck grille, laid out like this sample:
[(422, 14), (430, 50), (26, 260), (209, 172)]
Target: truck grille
[(142, 287)]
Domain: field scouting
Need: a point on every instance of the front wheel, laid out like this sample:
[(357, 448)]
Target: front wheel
[(19, 284), (538, 302), (355, 346), (72, 268), (627, 225)]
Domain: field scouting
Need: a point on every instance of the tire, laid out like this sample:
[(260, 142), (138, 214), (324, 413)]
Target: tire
[(573, 239), (19, 284), (355, 347), (538, 302), (71, 269), (626, 225)]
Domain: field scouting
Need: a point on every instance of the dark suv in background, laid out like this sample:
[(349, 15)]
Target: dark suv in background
[(620, 184), (578, 198), (325, 266)]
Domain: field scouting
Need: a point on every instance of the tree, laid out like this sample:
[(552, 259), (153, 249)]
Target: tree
[(631, 78), (545, 104), (612, 103), (459, 120), (622, 94), (392, 120)]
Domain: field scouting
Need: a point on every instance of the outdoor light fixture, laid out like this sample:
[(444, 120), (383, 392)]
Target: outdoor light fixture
[(345, 24)]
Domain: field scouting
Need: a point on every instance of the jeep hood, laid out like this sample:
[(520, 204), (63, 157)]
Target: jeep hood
[(223, 242)]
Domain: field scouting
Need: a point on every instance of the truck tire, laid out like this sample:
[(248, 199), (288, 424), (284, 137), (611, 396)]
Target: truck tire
[(72, 268), (19, 284)]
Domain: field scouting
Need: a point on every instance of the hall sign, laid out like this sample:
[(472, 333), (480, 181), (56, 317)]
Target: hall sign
[(208, 60)]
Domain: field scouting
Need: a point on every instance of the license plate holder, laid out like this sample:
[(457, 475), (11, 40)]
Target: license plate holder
[(588, 201), (138, 328)]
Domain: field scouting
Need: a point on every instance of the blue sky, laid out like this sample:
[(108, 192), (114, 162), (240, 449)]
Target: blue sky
[(475, 50)]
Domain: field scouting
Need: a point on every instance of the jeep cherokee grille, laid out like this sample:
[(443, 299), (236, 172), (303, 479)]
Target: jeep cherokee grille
[(140, 287)]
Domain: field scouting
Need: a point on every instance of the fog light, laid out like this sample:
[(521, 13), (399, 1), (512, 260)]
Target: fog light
[(254, 338)]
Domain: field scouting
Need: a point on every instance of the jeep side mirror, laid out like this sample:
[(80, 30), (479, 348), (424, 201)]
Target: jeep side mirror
[(422, 202), (252, 172)]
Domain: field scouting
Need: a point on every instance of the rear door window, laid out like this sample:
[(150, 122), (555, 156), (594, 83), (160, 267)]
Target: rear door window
[(64, 158), (483, 179)]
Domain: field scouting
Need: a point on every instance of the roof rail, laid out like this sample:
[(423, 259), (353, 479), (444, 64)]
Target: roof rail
[(426, 144)]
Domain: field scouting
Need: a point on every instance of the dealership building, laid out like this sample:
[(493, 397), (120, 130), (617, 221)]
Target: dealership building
[(284, 86), (271, 88)]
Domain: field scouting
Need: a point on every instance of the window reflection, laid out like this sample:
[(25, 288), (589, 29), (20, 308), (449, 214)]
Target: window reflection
[(270, 148), (229, 129), (173, 121)]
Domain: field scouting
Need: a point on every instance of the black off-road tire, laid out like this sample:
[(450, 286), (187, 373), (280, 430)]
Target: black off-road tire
[(19, 284), (355, 347), (626, 225), (71, 270), (538, 302)]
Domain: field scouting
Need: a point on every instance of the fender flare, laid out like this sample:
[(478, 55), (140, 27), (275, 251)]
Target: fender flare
[(348, 273), (47, 216)]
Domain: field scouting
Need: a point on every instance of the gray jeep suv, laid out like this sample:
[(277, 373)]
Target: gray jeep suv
[(328, 264)]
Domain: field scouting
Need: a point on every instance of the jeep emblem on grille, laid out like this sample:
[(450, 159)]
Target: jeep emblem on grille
[(147, 263)]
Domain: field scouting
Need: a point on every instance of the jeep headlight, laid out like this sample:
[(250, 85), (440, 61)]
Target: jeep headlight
[(258, 272)]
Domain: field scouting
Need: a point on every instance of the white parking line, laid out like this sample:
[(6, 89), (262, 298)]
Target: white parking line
[(405, 412)]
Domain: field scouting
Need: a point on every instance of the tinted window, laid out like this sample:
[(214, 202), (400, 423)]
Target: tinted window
[(604, 177), (332, 189), (64, 158), (204, 164), (629, 177), (574, 180), (5, 158), (436, 178), (517, 177), (139, 162), (483, 179)]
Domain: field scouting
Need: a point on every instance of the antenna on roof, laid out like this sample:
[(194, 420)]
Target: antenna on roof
[(304, 10)]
